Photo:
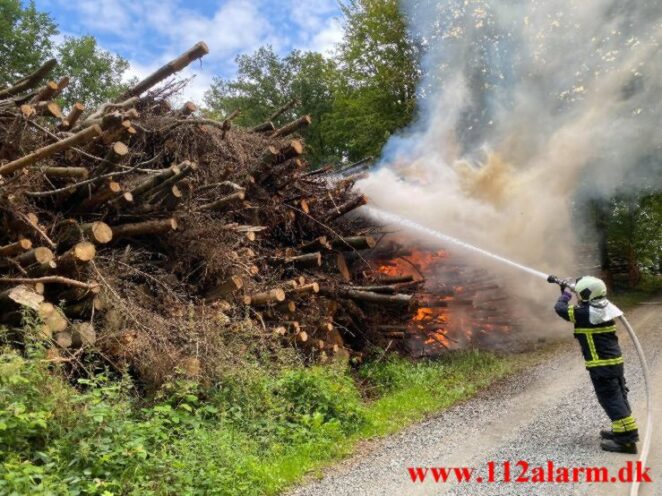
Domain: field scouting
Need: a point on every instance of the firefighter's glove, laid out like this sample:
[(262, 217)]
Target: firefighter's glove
[(566, 296)]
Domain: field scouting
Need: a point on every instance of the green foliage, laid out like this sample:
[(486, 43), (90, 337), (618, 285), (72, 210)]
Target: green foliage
[(376, 94), (95, 74), (253, 434), (357, 100), (265, 82), (25, 39)]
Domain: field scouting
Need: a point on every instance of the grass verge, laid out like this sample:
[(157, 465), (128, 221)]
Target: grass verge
[(256, 433)]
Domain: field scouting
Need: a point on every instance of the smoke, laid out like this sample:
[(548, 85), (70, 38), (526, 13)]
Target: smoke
[(526, 108)]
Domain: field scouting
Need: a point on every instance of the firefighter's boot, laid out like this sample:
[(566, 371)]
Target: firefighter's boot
[(629, 448)]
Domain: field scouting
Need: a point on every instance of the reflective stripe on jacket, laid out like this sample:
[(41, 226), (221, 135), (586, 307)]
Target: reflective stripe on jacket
[(599, 342)]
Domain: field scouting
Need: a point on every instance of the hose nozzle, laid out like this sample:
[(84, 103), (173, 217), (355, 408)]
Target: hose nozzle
[(564, 283)]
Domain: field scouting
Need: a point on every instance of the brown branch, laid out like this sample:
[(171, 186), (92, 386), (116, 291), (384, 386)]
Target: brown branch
[(50, 280)]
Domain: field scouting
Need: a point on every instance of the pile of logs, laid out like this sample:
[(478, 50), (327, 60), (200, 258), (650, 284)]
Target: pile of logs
[(145, 232)]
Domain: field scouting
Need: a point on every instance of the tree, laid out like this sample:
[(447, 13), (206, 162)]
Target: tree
[(376, 93), (634, 233), (25, 39), (95, 74), (266, 82)]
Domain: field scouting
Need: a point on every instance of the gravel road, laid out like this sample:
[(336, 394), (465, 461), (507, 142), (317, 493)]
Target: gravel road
[(549, 412)]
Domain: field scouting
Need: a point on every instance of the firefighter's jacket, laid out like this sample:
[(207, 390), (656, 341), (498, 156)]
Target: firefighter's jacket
[(595, 330)]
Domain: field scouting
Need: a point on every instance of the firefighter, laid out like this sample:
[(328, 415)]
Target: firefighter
[(595, 330)]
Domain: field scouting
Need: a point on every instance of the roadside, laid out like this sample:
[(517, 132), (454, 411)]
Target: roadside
[(549, 412)]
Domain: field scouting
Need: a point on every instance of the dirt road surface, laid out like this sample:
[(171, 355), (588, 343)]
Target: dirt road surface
[(549, 412)]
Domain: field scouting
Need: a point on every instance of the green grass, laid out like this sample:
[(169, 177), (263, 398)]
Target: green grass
[(255, 433)]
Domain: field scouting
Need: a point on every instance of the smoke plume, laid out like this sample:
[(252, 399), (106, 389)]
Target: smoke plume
[(526, 108)]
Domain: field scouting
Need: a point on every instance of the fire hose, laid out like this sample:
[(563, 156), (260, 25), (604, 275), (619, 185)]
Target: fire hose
[(643, 457), (383, 215)]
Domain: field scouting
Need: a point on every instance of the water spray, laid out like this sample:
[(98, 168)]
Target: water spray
[(388, 217)]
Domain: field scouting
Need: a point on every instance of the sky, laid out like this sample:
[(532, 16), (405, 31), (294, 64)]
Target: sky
[(149, 33)]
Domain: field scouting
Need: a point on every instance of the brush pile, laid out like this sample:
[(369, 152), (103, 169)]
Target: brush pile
[(152, 235)]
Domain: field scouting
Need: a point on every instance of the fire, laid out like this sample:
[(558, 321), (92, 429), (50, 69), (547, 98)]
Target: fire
[(451, 314)]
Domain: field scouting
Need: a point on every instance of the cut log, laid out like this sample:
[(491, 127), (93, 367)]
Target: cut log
[(159, 226), (343, 268), (354, 242), (301, 337), (72, 117), (83, 335), (311, 288), (71, 232), (370, 297), (48, 109), (187, 109), (21, 295), (225, 289), (274, 296), (154, 180), (63, 339), (265, 127), (184, 169), (293, 126), (46, 92), (383, 279), (30, 81), (39, 255), (15, 248), (81, 253), (225, 201), (288, 106), (346, 207), (77, 139), (305, 260), (66, 172), (106, 193), (199, 50), (315, 244)]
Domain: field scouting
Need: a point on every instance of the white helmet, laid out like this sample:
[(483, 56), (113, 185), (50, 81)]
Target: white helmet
[(590, 288)]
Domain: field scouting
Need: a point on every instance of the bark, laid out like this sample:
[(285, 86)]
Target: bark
[(199, 50), (72, 117), (288, 106), (104, 194), (293, 126), (346, 207), (393, 279), (66, 172), (48, 109), (371, 297), (154, 180), (38, 255), (47, 151), (51, 280), (312, 288), (265, 127), (343, 268), (46, 92), (305, 260), (354, 243), (158, 226), (81, 253), (273, 296), (315, 244), (225, 289), (225, 201)]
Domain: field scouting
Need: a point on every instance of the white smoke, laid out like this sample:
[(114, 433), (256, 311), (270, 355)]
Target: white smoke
[(522, 105)]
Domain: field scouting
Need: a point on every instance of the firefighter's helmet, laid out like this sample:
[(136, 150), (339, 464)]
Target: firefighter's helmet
[(590, 288)]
